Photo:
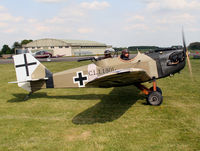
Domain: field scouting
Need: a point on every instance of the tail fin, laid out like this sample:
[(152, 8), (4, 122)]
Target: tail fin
[(30, 70)]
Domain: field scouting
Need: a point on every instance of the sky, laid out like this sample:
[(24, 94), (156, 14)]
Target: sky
[(120, 23)]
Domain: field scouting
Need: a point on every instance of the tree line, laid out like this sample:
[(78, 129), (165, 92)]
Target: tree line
[(192, 46), (135, 48), (16, 45)]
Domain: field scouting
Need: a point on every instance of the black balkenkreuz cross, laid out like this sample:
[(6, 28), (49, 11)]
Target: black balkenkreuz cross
[(80, 79), (26, 64)]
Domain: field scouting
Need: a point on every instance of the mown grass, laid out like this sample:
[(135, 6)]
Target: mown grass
[(114, 119)]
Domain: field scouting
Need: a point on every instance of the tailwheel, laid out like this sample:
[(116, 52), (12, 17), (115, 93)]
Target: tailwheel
[(155, 98)]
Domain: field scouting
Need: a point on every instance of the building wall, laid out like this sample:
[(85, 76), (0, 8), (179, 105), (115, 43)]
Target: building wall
[(62, 51), (67, 48), (66, 51)]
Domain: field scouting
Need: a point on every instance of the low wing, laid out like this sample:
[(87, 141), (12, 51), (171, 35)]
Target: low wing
[(120, 78)]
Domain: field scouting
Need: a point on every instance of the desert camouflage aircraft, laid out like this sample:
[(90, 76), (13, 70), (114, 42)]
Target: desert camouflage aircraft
[(104, 73)]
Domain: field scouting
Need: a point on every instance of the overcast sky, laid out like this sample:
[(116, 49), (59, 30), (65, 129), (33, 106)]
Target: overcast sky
[(114, 22)]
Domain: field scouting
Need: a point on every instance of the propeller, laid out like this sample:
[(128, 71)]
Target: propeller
[(187, 55)]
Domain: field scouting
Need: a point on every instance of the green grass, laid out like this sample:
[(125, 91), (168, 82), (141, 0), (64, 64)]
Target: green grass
[(114, 119)]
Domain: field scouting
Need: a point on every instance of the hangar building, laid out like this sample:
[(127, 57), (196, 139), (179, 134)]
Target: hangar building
[(67, 47)]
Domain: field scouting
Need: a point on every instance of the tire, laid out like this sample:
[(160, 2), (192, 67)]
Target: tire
[(157, 89), (155, 98)]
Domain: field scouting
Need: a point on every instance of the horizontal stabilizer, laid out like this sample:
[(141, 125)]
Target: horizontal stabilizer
[(29, 80)]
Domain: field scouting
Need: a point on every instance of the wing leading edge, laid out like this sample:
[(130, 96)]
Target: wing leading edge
[(122, 77)]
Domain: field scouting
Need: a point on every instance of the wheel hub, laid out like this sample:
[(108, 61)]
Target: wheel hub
[(154, 99)]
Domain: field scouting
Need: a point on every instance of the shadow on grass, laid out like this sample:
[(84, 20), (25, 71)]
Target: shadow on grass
[(110, 108), (19, 97)]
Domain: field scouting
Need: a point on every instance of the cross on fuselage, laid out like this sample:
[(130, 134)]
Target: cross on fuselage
[(80, 78), (26, 64)]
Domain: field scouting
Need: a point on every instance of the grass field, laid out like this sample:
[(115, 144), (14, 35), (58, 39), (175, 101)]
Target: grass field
[(114, 119)]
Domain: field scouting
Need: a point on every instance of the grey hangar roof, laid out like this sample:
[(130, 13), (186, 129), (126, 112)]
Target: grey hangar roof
[(60, 42)]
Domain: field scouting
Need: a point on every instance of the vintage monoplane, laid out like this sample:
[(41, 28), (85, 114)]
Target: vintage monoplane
[(105, 73)]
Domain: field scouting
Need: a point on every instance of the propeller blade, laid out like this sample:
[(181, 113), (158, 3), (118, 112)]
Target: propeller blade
[(187, 55), (184, 44), (189, 65)]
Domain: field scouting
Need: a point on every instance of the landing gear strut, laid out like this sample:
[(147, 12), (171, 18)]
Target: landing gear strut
[(154, 94)]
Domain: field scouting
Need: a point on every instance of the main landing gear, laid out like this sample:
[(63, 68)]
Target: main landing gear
[(154, 94)]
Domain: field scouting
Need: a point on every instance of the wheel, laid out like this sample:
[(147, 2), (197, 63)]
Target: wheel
[(155, 98), (157, 89)]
